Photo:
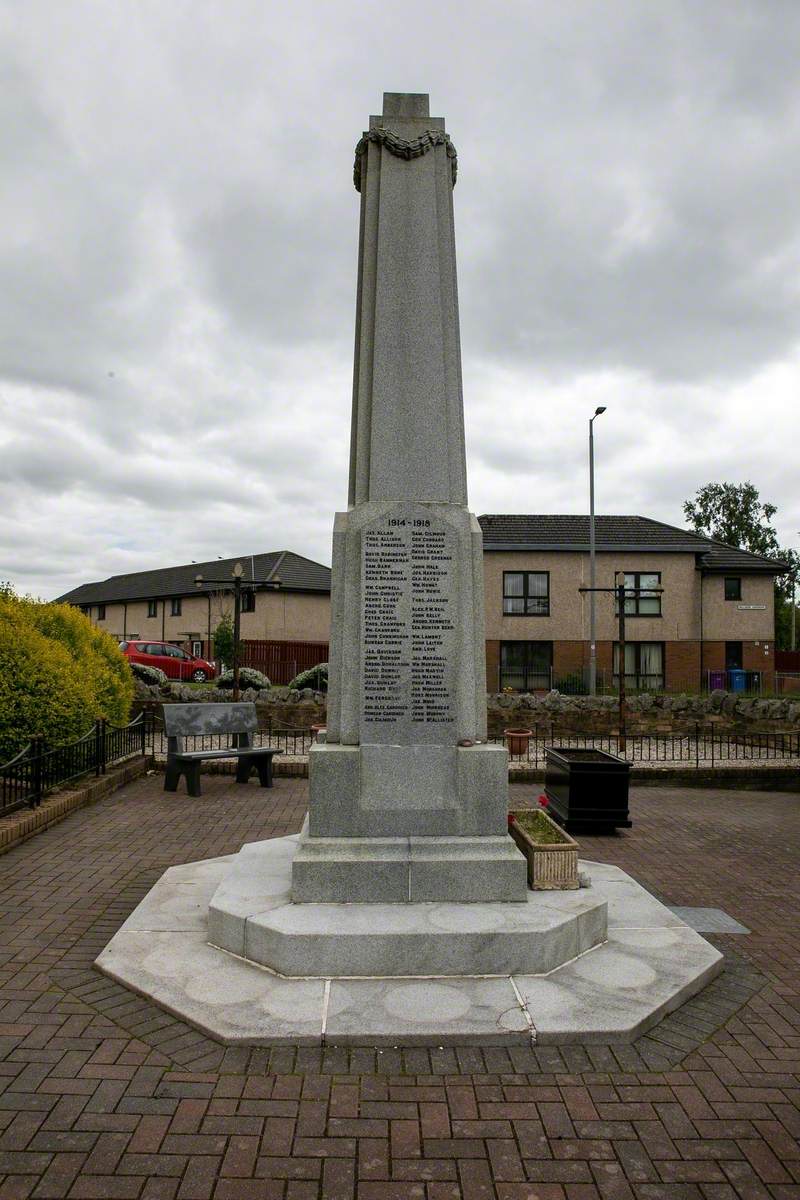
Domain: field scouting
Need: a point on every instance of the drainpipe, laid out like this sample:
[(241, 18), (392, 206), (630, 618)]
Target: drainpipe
[(124, 620), (701, 630), (163, 620)]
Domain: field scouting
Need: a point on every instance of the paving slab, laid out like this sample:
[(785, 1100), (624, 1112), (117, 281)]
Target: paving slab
[(708, 920)]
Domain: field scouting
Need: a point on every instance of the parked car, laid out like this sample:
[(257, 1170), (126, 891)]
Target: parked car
[(174, 662)]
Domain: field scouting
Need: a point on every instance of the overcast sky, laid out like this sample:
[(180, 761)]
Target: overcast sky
[(178, 240)]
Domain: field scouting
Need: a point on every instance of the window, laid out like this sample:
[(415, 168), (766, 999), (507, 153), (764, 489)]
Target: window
[(176, 606), (526, 593), (152, 608), (86, 609), (733, 588), (644, 666), (526, 666), (174, 652), (249, 601), (197, 649), (101, 612), (642, 605)]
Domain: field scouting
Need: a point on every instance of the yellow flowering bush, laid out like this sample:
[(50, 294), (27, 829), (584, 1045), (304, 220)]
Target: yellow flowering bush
[(58, 674)]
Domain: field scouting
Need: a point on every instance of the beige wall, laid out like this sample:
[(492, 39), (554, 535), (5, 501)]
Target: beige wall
[(724, 620), (569, 608), (279, 616), (295, 616)]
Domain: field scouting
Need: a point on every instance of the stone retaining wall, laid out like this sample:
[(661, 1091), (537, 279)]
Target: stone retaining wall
[(644, 713), (294, 709)]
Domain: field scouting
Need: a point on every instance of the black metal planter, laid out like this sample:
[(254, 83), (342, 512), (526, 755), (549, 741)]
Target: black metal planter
[(587, 790)]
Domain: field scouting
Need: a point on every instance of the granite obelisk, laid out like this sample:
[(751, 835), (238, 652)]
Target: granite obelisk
[(407, 801)]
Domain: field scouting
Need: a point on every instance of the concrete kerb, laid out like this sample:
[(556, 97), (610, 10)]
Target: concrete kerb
[(784, 778)]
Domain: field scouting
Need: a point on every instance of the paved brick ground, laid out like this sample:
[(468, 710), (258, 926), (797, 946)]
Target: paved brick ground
[(103, 1095)]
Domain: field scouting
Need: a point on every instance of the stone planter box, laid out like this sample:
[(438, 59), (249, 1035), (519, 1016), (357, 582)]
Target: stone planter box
[(552, 866), (587, 789)]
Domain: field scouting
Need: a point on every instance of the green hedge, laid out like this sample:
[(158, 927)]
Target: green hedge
[(58, 674)]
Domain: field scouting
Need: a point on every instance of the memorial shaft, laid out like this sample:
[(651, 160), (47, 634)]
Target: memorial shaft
[(407, 801)]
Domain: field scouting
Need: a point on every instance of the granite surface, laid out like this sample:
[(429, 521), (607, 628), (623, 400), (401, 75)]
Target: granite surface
[(648, 965)]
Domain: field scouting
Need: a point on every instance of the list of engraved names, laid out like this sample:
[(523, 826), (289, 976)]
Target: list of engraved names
[(409, 604)]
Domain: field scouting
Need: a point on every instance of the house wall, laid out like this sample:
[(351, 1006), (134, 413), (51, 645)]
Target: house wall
[(569, 608), (279, 616), (724, 620)]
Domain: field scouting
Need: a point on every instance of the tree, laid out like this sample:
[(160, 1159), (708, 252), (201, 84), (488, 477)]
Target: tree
[(223, 640), (733, 513)]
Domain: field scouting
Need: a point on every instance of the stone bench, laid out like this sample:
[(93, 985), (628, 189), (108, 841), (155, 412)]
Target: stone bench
[(239, 721)]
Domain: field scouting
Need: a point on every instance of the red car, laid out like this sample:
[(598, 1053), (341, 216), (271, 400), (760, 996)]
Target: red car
[(174, 662)]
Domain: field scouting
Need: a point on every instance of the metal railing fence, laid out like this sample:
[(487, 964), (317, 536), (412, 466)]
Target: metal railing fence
[(37, 769), (699, 746)]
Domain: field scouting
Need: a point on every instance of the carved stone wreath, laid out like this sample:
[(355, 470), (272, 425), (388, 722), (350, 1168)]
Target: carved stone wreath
[(401, 148)]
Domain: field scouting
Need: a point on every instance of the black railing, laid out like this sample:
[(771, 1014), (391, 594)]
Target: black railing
[(699, 746), (36, 770)]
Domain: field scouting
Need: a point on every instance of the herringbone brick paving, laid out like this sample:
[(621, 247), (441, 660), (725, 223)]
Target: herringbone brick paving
[(104, 1095)]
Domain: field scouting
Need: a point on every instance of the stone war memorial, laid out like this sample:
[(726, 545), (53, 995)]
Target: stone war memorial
[(401, 912)]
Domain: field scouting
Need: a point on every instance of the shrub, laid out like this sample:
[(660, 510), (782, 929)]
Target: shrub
[(152, 675), (223, 640), (96, 652), (57, 674), (249, 677), (315, 677)]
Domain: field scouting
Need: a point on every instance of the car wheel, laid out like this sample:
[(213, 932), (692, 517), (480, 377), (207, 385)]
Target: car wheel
[(199, 676)]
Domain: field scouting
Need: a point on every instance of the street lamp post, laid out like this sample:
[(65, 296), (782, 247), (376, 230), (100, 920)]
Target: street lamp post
[(238, 583), (592, 579)]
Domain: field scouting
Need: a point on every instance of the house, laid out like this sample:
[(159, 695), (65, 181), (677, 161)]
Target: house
[(289, 609), (714, 616)]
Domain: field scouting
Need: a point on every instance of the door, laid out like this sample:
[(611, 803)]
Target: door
[(733, 656), (180, 662)]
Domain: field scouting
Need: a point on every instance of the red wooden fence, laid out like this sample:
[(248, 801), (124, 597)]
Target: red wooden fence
[(787, 660), (281, 661)]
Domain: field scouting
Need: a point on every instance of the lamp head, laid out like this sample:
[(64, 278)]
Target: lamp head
[(238, 571), (599, 410)]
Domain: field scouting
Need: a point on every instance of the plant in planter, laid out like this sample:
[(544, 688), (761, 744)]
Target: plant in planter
[(551, 853), (517, 740)]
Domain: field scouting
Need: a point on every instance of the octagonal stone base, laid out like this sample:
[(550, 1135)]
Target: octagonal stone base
[(251, 914), (649, 964)]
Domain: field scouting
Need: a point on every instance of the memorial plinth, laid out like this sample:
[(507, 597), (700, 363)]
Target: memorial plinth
[(408, 802), (404, 868)]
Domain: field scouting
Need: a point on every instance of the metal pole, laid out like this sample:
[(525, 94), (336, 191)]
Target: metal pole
[(237, 609), (592, 632), (621, 602), (794, 615)]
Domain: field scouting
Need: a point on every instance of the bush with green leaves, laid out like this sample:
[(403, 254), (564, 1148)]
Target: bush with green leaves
[(58, 674), (249, 677), (223, 640), (315, 677), (151, 675)]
